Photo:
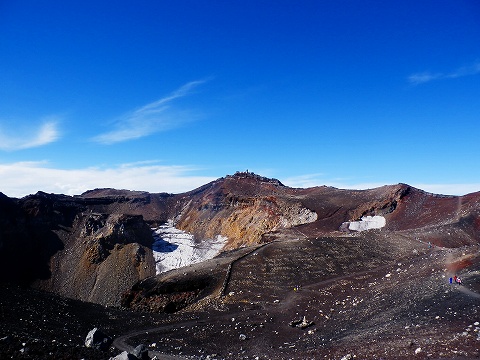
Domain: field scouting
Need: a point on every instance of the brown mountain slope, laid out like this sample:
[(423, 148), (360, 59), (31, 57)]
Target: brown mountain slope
[(373, 295)]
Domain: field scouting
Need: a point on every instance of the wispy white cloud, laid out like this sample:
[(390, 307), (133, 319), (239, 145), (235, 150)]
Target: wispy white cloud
[(424, 77), (154, 117), (23, 178), (303, 181), (24, 139)]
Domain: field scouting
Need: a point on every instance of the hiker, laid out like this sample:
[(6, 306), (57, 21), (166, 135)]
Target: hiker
[(459, 281), (451, 280), (455, 278)]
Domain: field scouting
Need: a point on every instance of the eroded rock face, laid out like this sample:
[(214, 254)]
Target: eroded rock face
[(106, 232), (167, 296), (27, 236), (110, 254), (244, 223), (243, 208)]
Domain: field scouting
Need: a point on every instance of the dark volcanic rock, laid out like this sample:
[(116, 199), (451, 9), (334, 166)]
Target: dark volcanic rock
[(125, 355), (56, 243), (27, 237), (141, 352), (97, 339), (169, 296), (106, 254)]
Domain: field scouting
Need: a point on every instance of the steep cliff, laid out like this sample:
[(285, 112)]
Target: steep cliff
[(103, 256), (243, 208)]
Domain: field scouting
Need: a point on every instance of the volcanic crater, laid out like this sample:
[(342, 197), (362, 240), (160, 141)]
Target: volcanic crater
[(289, 283)]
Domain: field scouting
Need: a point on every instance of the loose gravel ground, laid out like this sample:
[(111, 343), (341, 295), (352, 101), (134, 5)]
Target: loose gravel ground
[(366, 297)]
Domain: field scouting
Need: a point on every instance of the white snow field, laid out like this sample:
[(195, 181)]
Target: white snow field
[(174, 248), (367, 222)]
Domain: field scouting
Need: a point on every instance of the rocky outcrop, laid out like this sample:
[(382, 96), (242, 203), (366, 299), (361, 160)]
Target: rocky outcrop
[(244, 221), (243, 207), (381, 201), (65, 245), (97, 339), (104, 257), (105, 232), (168, 296)]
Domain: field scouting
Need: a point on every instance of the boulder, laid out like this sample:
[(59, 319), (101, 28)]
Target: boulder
[(98, 340), (141, 352), (124, 356)]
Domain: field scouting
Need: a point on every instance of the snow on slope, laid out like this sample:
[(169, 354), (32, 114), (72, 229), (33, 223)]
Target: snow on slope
[(174, 248), (367, 222)]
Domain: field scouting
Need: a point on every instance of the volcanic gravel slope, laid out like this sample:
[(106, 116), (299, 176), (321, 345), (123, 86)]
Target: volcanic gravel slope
[(373, 296), (378, 295), (40, 325)]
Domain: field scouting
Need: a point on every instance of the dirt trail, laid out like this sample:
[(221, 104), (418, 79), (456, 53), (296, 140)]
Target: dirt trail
[(314, 288), (121, 342)]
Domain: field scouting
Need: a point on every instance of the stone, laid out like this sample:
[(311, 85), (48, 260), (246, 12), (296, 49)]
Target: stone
[(98, 340), (141, 352), (301, 323), (124, 356)]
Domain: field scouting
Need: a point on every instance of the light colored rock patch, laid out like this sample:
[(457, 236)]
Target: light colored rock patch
[(297, 215), (174, 248), (366, 223)]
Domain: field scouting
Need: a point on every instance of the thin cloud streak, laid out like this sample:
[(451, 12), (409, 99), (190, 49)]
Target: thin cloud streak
[(46, 134), (154, 117), (303, 181), (424, 77), (23, 178)]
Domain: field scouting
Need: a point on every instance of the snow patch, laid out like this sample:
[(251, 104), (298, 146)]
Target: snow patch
[(366, 223), (174, 248)]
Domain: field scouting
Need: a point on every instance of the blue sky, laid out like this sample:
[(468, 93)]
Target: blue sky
[(168, 95)]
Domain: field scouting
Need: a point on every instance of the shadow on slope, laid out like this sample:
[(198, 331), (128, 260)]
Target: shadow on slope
[(27, 242)]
